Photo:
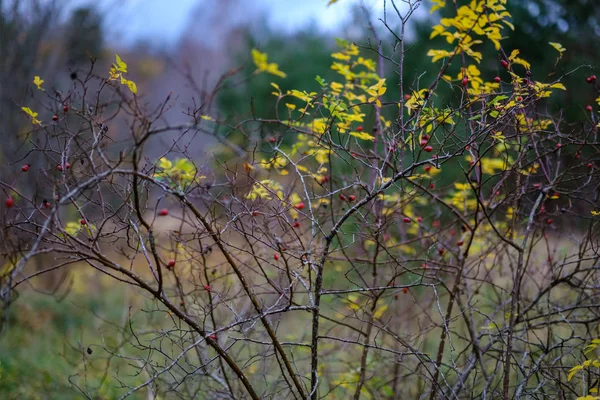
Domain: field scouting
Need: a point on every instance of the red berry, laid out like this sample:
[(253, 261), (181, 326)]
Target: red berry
[(407, 220), (558, 145), (497, 79), (343, 198), (590, 165), (272, 139), (299, 206), (405, 290), (171, 263), (525, 81), (359, 128), (549, 221), (254, 213), (589, 108), (276, 256), (59, 167), (406, 96), (351, 197), (213, 337), (441, 251), (163, 212), (55, 118), (427, 168), (46, 204), (419, 219), (504, 63), (83, 222), (519, 98), (578, 155), (395, 297), (25, 168), (426, 137), (9, 202), (465, 81), (423, 142), (431, 186), (537, 185), (591, 79), (181, 303), (428, 149), (207, 288), (460, 243), (296, 224), (497, 193), (65, 109)]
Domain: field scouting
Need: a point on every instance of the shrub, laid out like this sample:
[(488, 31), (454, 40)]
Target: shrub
[(369, 241)]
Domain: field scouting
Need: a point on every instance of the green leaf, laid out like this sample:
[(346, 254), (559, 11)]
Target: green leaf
[(497, 99)]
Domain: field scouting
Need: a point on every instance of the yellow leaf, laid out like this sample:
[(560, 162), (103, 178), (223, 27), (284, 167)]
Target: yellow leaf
[(437, 4), (38, 82), (130, 84), (379, 312), (72, 228), (558, 47), (260, 60), (165, 164), (573, 371), (32, 114), (513, 55), (120, 65), (558, 85), (362, 135)]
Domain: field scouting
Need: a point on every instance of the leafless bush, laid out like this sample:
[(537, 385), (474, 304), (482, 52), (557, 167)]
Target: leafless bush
[(317, 260)]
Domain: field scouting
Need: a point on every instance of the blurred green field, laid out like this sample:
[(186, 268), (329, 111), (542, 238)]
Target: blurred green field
[(44, 351)]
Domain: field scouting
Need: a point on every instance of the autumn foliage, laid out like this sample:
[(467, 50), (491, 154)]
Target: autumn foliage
[(436, 239)]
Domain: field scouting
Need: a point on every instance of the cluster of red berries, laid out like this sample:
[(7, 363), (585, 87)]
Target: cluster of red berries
[(60, 167), (423, 142), (350, 198)]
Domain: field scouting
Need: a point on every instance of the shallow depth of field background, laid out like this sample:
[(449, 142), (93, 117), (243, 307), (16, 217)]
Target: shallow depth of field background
[(54, 321)]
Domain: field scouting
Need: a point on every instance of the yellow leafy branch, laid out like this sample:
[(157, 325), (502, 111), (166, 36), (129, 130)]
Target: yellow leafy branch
[(32, 114), (262, 65), (116, 73)]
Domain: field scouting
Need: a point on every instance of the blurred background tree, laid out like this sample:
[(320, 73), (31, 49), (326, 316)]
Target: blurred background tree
[(84, 36)]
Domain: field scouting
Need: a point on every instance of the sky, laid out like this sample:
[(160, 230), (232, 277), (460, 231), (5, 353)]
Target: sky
[(162, 21)]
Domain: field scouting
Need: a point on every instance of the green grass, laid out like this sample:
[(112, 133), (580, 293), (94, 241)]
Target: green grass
[(43, 352)]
